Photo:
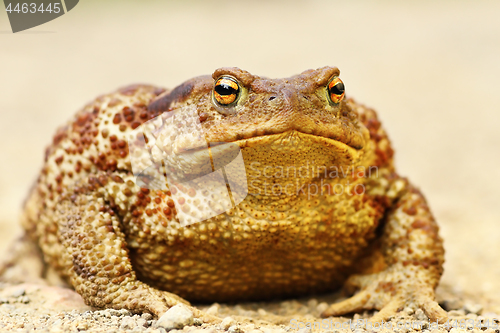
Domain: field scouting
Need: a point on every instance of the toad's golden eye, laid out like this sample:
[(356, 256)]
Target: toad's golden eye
[(226, 90), (336, 90)]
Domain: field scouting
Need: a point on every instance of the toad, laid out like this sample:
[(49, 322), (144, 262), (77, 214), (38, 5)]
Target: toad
[(315, 203)]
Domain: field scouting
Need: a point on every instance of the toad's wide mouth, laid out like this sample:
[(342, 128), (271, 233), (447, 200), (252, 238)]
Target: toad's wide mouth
[(290, 148), (289, 141), (299, 140), (287, 136), (314, 131), (283, 138)]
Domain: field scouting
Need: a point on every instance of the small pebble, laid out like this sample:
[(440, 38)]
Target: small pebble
[(82, 326), (18, 293), (452, 304), (227, 322), (312, 303), (104, 314), (473, 308), (214, 309), (421, 315), (24, 299), (235, 329), (322, 307), (124, 312), (141, 322), (408, 311), (456, 313), (128, 323), (176, 317), (147, 316)]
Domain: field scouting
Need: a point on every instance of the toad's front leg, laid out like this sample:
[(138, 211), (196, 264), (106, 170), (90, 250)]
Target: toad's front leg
[(99, 266), (413, 254)]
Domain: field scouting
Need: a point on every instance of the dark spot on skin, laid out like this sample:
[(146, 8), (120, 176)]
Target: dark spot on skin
[(426, 227), (179, 94), (127, 111), (60, 135), (114, 102), (111, 164), (117, 119), (129, 90), (118, 179), (121, 143), (203, 117), (82, 119), (410, 210)]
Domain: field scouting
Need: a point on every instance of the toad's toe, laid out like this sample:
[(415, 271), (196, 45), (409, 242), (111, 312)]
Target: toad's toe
[(352, 304)]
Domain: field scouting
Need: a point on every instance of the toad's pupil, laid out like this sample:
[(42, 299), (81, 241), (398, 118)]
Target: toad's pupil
[(225, 89), (337, 89)]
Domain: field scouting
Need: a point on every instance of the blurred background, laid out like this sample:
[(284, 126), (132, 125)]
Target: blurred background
[(430, 68)]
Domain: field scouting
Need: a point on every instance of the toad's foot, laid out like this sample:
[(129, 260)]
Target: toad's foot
[(390, 292), (98, 266), (139, 297), (412, 257)]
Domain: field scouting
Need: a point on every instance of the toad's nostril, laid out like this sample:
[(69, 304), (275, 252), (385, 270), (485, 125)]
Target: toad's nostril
[(272, 97)]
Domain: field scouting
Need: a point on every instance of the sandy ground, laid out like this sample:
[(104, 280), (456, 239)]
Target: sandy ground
[(430, 68)]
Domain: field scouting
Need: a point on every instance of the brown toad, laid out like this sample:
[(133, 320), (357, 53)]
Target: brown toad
[(325, 207)]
